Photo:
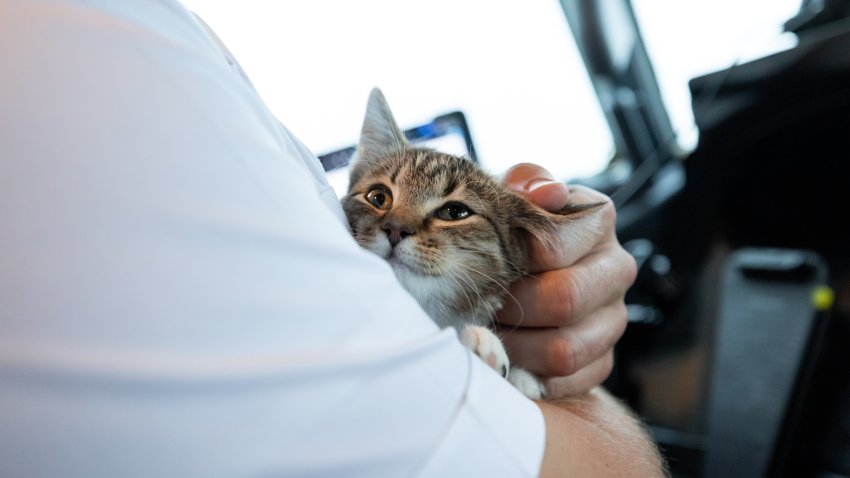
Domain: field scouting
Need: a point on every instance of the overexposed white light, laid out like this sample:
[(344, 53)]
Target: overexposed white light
[(690, 38), (511, 67)]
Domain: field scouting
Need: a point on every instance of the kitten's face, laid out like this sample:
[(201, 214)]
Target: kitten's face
[(443, 225), (455, 237)]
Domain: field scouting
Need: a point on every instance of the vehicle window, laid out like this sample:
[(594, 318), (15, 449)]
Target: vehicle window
[(686, 39), (511, 67)]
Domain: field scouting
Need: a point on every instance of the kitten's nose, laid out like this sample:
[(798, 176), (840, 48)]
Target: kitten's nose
[(396, 231)]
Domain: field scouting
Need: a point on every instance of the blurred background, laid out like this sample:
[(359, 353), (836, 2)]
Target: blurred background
[(720, 130), (512, 68)]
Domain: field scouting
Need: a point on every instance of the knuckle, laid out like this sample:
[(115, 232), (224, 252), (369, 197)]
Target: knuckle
[(629, 268), (609, 211), (622, 322), (563, 357), (564, 296)]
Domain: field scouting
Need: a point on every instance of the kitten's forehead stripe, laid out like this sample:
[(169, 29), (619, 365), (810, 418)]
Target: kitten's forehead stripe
[(451, 185), (436, 174), (395, 169)]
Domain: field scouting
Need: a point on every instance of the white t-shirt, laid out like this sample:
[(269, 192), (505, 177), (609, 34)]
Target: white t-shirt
[(179, 294)]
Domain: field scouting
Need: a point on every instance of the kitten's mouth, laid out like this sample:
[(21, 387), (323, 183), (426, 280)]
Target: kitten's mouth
[(399, 263), (404, 261), (410, 266)]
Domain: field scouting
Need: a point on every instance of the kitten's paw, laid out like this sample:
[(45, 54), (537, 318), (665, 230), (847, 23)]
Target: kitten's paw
[(528, 384), (486, 345)]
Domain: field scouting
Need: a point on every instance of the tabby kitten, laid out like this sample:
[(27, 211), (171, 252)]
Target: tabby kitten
[(454, 236)]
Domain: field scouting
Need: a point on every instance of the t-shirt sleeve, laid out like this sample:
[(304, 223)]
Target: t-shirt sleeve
[(179, 295)]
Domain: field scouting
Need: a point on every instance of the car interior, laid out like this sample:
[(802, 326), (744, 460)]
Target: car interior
[(737, 348)]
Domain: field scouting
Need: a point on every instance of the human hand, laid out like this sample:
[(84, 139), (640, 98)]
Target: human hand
[(570, 311)]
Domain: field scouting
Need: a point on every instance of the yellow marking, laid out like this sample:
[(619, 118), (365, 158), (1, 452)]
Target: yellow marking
[(822, 298)]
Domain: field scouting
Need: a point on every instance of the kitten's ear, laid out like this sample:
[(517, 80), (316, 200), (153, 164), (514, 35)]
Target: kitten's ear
[(380, 135), (547, 226)]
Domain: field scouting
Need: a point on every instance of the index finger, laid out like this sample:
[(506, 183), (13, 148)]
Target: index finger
[(579, 237), (537, 184)]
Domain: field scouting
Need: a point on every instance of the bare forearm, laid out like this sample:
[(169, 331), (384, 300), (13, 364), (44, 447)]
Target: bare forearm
[(594, 435)]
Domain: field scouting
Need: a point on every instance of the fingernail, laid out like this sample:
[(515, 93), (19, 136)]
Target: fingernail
[(538, 183)]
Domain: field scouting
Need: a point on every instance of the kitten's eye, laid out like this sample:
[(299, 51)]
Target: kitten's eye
[(453, 211), (380, 197)]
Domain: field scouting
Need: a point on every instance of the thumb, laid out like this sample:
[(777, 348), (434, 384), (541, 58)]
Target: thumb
[(536, 184)]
